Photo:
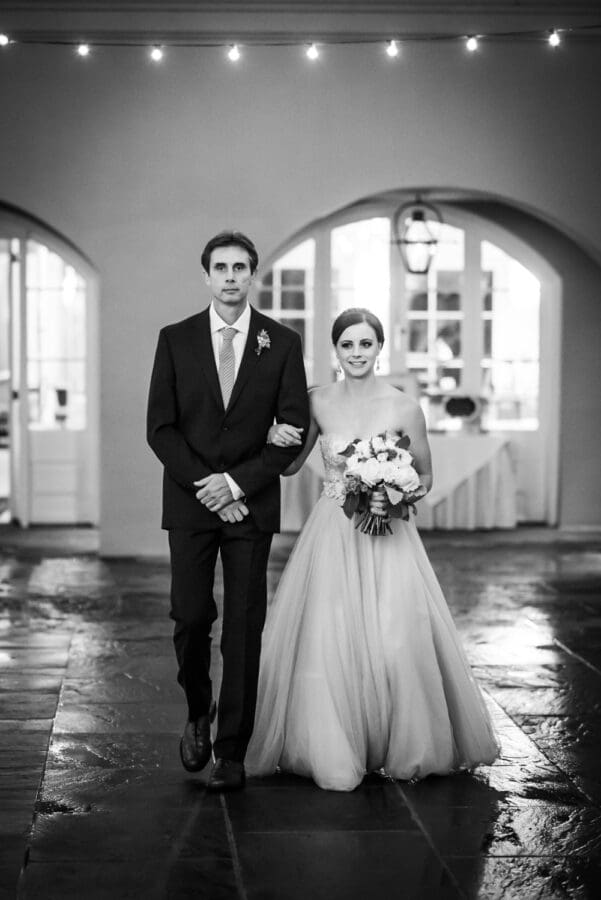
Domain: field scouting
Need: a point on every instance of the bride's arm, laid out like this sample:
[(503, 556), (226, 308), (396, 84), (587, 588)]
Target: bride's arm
[(420, 448), (312, 436), (284, 435)]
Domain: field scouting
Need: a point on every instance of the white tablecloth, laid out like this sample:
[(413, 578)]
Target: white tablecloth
[(474, 485)]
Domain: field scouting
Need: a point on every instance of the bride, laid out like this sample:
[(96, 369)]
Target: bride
[(361, 667)]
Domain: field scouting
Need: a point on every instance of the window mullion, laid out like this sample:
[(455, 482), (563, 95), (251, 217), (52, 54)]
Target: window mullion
[(472, 316)]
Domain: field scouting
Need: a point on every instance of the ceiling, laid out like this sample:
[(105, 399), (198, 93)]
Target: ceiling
[(273, 21)]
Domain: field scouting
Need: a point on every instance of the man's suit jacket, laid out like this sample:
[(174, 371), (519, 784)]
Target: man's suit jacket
[(193, 435)]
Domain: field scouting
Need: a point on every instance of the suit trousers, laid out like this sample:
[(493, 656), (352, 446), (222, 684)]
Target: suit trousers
[(244, 552)]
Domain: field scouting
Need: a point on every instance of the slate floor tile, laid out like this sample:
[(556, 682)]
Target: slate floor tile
[(117, 816), (279, 810), (120, 718), (526, 878), (342, 866)]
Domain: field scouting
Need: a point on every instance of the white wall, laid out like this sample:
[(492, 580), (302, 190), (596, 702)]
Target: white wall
[(139, 165)]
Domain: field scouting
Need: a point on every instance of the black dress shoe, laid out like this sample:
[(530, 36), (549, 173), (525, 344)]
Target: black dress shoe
[(195, 745), (227, 775)]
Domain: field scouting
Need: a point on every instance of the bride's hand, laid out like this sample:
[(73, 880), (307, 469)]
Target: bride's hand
[(378, 502), (283, 435)]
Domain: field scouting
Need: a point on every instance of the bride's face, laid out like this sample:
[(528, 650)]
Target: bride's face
[(357, 350)]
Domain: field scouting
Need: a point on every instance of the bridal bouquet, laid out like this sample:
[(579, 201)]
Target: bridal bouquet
[(381, 463)]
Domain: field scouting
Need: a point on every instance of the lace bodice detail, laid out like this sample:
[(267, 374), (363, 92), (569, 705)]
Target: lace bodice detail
[(334, 465)]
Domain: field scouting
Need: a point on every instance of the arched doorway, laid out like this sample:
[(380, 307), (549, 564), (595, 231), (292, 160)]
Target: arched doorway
[(484, 323), (48, 377)]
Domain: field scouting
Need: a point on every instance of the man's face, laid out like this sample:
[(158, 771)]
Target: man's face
[(229, 277)]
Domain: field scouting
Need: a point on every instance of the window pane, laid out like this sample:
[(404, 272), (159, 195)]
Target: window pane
[(293, 299), (450, 252), (293, 277), (265, 300), (291, 291), (448, 339), (487, 337), (418, 336), (511, 380), (360, 253), (416, 287), (449, 378), (486, 287), (56, 338), (449, 286), (56, 394)]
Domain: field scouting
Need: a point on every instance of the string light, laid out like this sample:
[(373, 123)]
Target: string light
[(554, 38)]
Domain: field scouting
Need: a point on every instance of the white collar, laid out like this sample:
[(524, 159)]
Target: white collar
[(242, 323)]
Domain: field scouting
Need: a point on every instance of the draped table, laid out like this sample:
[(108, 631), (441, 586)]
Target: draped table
[(474, 485)]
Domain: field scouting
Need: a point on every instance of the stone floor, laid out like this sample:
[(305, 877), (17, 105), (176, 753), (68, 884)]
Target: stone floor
[(94, 803)]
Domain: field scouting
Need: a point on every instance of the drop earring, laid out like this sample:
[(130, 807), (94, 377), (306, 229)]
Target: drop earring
[(377, 364)]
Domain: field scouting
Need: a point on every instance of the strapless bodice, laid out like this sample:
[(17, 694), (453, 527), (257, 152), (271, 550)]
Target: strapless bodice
[(331, 446)]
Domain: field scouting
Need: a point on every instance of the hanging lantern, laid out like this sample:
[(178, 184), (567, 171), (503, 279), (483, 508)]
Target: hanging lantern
[(414, 235)]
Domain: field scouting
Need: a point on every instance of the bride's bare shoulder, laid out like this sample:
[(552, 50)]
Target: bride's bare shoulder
[(323, 396), (406, 409)]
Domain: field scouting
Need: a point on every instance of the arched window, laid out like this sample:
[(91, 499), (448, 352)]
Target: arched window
[(471, 325), (48, 377), (469, 330), (286, 293)]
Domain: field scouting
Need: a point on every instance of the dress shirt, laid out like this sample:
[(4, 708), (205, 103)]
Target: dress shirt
[(242, 324)]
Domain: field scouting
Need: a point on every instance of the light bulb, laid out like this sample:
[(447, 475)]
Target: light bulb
[(156, 54), (472, 43), (554, 38), (83, 49), (392, 49), (233, 54), (312, 52), (4, 40)]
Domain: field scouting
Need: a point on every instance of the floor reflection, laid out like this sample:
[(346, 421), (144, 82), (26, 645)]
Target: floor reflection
[(92, 792)]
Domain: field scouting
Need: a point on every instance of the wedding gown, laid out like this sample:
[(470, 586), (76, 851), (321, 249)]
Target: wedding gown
[(361, 667)]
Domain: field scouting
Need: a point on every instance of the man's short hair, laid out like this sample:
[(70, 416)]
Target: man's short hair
[(230, 239)]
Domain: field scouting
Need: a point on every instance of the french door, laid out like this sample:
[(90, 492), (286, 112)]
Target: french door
[(48, 381)]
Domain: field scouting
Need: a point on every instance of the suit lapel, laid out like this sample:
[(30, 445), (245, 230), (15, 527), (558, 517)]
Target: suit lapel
[(206, 357), (249, 359)]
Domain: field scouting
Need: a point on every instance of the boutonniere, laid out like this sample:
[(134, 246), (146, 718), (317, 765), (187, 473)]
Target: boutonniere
[(263, 342)]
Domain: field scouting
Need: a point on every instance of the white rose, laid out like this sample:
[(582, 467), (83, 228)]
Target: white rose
[(382, 457), (354, 466), (407, 479), (378, 443), (404, 458), (363, 449), (389, 472), (371, 472)]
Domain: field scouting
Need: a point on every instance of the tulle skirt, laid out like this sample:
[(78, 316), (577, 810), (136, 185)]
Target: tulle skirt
[(362, 668)]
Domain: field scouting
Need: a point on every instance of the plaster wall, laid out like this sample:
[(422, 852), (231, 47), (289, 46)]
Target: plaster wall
[(138, 165)]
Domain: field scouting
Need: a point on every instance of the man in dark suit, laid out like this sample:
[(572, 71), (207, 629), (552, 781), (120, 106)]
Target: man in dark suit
[(219, 381)]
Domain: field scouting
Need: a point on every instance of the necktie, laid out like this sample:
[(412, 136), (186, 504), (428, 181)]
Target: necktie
[(227, 362)]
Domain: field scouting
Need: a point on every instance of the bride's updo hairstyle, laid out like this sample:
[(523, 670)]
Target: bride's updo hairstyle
[(355, 316)]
